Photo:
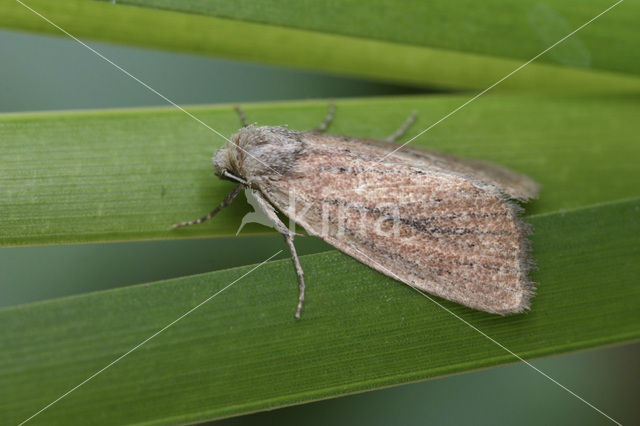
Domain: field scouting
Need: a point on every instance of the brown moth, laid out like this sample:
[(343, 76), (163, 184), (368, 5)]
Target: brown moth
[(439, 223)]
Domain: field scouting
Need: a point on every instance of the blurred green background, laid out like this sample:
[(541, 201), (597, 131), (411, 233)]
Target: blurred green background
[(46, 73)]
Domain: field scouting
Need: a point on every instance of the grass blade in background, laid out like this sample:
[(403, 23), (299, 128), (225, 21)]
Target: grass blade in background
[(500, 28), (128, 175), (442, 44), (243, 351)]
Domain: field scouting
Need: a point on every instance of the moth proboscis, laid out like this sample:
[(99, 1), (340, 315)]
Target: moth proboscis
[(440, 223)]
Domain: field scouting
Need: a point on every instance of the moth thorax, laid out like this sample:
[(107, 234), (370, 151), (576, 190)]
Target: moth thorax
[(259, 151)]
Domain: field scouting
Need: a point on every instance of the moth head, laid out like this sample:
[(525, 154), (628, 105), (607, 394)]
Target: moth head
[(222, 161), (230, 159)]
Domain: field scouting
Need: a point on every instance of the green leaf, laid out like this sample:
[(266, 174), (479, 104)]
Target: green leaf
[(130, 174), (432, 44), (243, 351), (500, 28)]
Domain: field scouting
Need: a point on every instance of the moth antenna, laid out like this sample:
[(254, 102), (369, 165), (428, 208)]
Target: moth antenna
[(327, 120), (401, 131), (227, 200), (243, 117)]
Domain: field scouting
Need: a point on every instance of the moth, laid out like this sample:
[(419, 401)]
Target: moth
[(442, 224)]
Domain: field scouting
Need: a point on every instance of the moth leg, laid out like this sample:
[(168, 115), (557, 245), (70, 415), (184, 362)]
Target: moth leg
[(227, 200), (398, 133), (327, 120), (243, 117), (288, 237)]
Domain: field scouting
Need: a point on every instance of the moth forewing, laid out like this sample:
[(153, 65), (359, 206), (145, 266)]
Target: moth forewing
[(454, 236)]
